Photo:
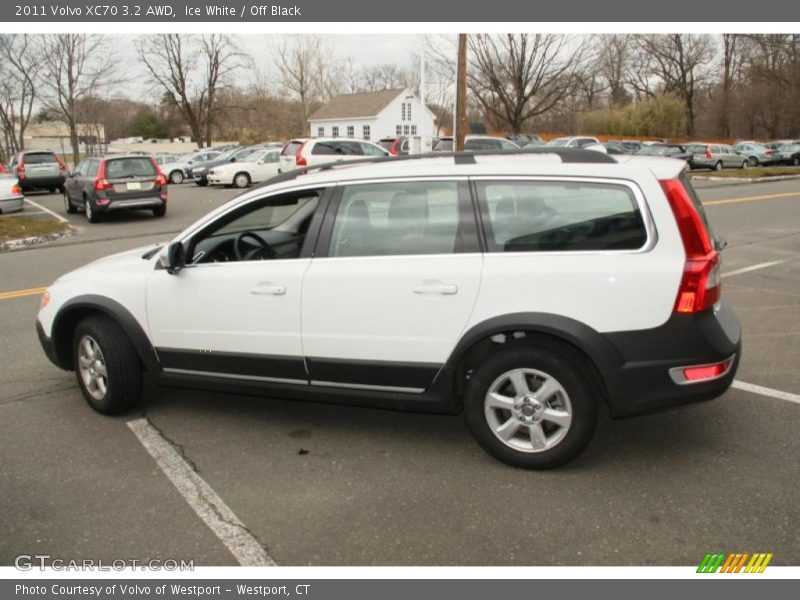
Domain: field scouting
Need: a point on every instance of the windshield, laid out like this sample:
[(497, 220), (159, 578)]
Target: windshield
[(652, 150), (558, 142)]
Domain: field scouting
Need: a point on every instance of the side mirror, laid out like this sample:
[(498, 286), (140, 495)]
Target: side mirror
[(174, 259)]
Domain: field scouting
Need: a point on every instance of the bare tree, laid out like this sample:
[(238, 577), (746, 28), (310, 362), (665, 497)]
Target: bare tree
[(300, 60), (191, 70), (680, 62), (516, 77), (74, 66), (613, 61), (20, 61)]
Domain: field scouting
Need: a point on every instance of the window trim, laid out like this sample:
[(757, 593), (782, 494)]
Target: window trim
[(486, 225), (467, 233)]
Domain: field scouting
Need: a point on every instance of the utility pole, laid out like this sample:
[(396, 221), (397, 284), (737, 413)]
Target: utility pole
[(461, 94)]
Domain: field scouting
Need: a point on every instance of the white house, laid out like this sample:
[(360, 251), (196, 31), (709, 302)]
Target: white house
[(372, 116)]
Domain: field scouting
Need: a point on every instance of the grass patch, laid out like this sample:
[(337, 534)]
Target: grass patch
[(756, 172), (14, 228)]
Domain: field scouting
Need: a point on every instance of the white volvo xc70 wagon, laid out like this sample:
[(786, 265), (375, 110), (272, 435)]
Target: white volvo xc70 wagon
[(527, 289)]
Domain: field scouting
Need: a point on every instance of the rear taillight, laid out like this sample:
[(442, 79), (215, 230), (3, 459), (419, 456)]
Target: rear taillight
[(700, 373), (299, 159), (393, 150), (101, 183), (708, 152), (700, 283), (61, 166), (21, 170), (16, 189), (768, 152)]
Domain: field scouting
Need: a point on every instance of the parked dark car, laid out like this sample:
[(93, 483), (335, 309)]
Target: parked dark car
[(615, 148), (632, 146), (395, 146), (789, 154), (104, 184), (38, 170), (199, 171), (668, 150)]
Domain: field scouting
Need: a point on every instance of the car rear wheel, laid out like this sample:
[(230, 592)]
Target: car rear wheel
[(91, 214), (753, 160), (68, 205), (176, 176), (745, 164), (106, 365), (718, 166), (202, 182), (241, 180), (531, 407), (160, 211)]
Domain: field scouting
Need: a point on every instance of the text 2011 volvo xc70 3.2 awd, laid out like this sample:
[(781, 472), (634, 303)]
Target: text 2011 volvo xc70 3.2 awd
[(528, 289)]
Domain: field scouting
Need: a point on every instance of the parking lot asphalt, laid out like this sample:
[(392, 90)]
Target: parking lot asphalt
[(330, 485)]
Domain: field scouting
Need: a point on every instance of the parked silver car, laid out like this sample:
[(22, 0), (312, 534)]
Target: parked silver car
[(714, 156), (11, 197)]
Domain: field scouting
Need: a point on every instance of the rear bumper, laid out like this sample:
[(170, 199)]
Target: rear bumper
[(12, 204), (133, 203), (642, 384), (39, 183)]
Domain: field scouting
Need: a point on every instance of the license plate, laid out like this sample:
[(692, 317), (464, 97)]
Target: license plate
[(134, 185)]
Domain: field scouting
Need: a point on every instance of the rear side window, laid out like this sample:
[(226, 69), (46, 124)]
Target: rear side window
[(543, 216), (443, 146), (370, 150), (40, 158), (334, 148), (405, 218), (120, 168)]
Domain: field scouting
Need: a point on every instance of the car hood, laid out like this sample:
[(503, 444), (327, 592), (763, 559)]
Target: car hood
[(127, 261)]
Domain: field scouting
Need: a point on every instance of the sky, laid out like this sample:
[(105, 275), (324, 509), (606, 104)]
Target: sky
[(363, 49)]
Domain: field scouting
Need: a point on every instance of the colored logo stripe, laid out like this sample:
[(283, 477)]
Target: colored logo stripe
[(734, 562)]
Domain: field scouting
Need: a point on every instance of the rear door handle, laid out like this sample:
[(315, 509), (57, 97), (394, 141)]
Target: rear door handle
[(436, 287), (268, 289)]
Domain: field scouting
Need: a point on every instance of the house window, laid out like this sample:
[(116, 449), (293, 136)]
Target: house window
[(413, 130), (399, 130), (320, 132), (403, 113), (408, 111), (405, 129), (335, 131), (351, 131), (366, 134)]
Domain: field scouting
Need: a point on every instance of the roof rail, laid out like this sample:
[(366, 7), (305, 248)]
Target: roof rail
[(567, 155)]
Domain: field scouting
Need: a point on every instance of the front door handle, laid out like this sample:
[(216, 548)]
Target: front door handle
[(436, 287), (268, 289)]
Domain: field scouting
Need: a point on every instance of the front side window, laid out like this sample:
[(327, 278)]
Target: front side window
[(560, 216), (406, 218), (271, 228)]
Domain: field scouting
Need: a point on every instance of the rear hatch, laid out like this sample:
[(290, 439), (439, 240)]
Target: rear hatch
[(131, 177), (41, 165), (289, 153)]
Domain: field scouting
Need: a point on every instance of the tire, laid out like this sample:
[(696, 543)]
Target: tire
[(202, 182), (745, 164), (160, 211), (718, 166), (753, 160), (68, 205), (176, 176), (91, 213), (100, 346), (241, 180), (796, 161), (573, 397), (51, 190), (62, 189)]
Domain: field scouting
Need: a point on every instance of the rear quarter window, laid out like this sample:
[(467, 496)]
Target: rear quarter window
[(543, 216)]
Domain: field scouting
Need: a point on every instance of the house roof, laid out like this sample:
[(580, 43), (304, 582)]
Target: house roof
[(351, 106)]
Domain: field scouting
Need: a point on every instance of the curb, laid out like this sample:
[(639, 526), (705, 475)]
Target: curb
[(743, 180), (27, 242)]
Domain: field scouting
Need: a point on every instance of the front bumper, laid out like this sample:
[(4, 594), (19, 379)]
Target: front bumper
[(642, 384), (48, 346)]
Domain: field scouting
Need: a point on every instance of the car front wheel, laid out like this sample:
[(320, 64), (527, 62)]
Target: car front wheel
[(753, 161), (241, 180), (531, 407), (176, 176), (68, 205), (106, 365)]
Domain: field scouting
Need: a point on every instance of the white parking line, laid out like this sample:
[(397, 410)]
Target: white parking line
[(201, 497), (753, 268), (765, 391), (47, 210)]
